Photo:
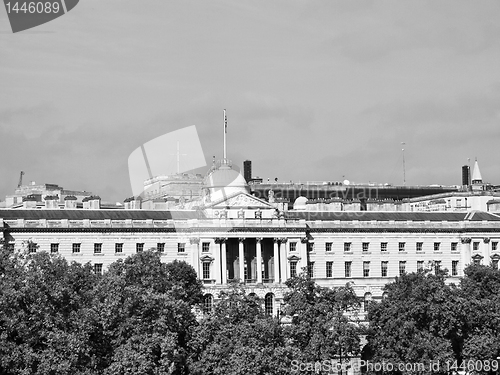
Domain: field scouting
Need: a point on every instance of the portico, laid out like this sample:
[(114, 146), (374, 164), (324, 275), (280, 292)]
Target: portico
[(250, 260)]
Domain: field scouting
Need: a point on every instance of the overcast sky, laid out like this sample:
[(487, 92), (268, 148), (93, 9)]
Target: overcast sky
[(314, 90)]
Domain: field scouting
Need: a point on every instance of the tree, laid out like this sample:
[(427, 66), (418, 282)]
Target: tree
[(145, 307), (44, 323), (419, 321), (238, 338), (480, 289), (324, 321)]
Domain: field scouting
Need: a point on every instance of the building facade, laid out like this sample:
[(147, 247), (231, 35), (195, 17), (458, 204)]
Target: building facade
[(227, 234), (242, 238)]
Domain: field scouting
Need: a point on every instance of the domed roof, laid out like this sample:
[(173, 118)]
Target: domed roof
[(300, 203), (225, 181)]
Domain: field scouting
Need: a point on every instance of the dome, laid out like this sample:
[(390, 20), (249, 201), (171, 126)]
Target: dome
[(225, 181), (300, 203)]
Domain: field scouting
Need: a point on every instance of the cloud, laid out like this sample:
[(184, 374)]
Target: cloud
[(457, 28)]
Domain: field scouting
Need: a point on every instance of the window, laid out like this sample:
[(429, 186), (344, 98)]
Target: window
[(329, 269), (310, 269), (477, 261), (118, 248), (76, 247), (365, 246), (420, 265), (268, 304), (475, 246), (54, 247), (367, 301), (139, 247), (205, 247), (97, 248), (347, 269), (328, 246), (293, 269), (98, 268), (347, 246), (310, 246), (420, 246), (206, 270), (437, 266), (32, 247), (383, 268), (293, 246), (401, 246), (160, 246), (494, 264), (437, 245), (454, 267), (208, 302), (383, 246), (454, 246), (402, 267), (494, 246), (366, 269), (181, 247)]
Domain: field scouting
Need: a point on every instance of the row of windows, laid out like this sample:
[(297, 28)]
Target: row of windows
[(139, 247), (181, 247), (419, 246), (384, 266), (208, 303)]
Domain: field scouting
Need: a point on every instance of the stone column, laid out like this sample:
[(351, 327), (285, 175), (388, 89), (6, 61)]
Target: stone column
[(241, 257), (487, 251), (285, 268), (217, 268), (276, 260), (195, 255), (224, 260), (303, 254), (259, 260), (465, 254)]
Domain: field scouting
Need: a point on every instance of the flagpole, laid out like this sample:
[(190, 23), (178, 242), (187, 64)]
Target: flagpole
[(225, 131)]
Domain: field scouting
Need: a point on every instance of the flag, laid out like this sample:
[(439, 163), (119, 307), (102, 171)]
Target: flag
[(225, 122)]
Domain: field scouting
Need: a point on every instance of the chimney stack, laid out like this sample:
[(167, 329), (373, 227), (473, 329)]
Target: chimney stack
[(247, 170), (70, 202), (465, 176)]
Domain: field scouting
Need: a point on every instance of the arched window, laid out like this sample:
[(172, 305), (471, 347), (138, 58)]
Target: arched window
[(208, 303), (269, 304), (367, 301)]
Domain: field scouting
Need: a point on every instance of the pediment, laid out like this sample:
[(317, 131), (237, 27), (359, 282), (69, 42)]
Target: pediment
[(241, 200), (206, 258)]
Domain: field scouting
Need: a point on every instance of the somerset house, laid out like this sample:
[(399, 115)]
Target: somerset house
[(232, 227)]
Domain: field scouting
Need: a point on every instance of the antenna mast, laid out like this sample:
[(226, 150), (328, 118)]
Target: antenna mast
[(225, 131), (404, 167)]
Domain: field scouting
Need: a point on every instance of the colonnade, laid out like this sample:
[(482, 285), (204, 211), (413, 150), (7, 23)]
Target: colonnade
[(265, 264)]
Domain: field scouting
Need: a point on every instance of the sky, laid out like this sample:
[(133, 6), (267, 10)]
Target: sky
[(314, 90)]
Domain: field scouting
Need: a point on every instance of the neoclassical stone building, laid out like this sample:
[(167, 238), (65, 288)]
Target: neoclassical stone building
[(228, 234)]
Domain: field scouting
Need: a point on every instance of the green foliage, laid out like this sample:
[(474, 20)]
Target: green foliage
[(419, 321), (60, 318), (481, 291), (238, 338), (43, 315), (324, 320)]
